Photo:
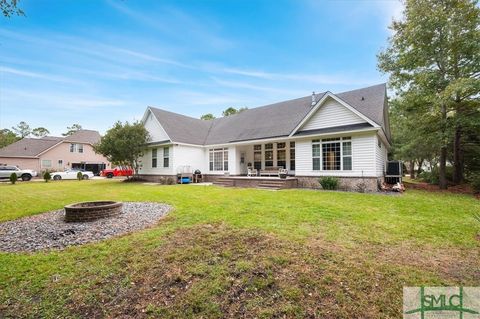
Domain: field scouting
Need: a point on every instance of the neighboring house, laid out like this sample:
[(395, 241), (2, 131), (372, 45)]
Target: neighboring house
[(56, 153), (346, 135)]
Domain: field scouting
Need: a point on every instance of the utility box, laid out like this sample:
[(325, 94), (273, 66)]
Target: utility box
[(394, 172)]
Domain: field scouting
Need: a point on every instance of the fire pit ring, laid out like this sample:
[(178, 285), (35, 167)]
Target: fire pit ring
[(90, 211)]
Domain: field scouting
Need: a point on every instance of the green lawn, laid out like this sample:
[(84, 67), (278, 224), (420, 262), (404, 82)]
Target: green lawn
[(243, 253)]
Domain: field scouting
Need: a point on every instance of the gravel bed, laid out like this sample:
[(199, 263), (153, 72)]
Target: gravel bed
[(50, 231)]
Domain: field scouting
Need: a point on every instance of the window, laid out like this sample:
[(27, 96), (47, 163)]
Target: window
[(46, 163), (347, 156), (218, 158), (281, 155), (154, 158), (332, 154), (76, 148), (60, 163), (166, 157), (269, 155), (257, 156), (292, 156), (316, 155)]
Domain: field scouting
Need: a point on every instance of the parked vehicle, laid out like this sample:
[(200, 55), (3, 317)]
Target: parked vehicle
[(117, 171), (24, 174), (71, 174)]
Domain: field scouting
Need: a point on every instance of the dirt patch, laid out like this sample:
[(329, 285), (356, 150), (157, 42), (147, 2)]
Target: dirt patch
[(214, 271), (457, 265)]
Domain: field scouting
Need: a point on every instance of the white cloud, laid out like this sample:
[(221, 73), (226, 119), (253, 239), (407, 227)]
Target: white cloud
[(43, 76), (51, 101)]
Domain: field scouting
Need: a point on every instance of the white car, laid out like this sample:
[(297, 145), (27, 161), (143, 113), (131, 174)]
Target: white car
[(70, 174), (24, 174)]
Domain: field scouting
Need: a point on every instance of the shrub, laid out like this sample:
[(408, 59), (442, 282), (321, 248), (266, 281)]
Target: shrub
[(47, 176), (13, 178), (433, 176), (170, 181), (475, 182), (79, 176), (329, 183)]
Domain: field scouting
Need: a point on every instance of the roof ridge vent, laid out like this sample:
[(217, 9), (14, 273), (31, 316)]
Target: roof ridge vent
[(314, 100)]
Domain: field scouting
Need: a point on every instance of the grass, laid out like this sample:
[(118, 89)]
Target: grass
[(243, 253)]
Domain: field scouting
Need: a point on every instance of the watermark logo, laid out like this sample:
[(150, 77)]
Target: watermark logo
[(441, 302)]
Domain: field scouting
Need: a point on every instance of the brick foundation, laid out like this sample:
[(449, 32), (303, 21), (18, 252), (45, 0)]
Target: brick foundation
[(370, 184), (346, 183), (355, 184)]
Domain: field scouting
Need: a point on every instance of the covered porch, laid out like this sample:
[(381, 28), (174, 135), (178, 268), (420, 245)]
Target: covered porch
[(262, 159)]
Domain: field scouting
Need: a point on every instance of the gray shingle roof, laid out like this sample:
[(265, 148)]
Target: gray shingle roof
[(181, 128), (32, 147), (84, 136), (29, 147), (274, 120)]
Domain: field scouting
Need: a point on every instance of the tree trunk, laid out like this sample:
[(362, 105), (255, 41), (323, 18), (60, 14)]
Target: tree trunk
[(443, 151), (420, 164), (412, 169), (458, 157)]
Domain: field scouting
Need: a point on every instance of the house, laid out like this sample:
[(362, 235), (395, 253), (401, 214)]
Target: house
[(56, 153), (346, 135)]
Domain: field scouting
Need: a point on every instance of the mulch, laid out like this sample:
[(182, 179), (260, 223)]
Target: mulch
[(455, 189)]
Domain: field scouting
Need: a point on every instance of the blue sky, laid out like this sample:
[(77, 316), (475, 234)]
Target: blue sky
[(96, 62)]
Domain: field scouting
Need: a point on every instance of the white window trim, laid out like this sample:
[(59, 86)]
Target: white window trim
[(165, 157), (340, 140), (154, 158), (222, 150)]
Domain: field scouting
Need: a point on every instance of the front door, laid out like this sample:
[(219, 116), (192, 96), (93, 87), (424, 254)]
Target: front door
[(243, 163)]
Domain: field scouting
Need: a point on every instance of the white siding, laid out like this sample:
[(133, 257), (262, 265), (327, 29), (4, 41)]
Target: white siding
[(146, 165), (156, 131), (330, 114), (233, 166), (363, 157), (381, 154), (189, 156)]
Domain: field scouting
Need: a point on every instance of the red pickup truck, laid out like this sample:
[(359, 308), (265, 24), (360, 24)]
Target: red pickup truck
[(117, 171)]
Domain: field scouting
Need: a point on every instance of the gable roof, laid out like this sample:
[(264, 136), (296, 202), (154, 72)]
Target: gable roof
[(274, 120), (33, 147), (181, 128), (30, 147), (84, 136)]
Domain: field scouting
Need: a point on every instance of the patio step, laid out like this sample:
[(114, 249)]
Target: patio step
[(274, 185), (225, 182)]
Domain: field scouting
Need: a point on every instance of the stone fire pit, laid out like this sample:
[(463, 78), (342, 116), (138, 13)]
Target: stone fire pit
[(50, 230), (90, 211)]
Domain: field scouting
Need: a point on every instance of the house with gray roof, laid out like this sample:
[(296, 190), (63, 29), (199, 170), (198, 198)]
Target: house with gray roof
[(55, 153), (345, 135)]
